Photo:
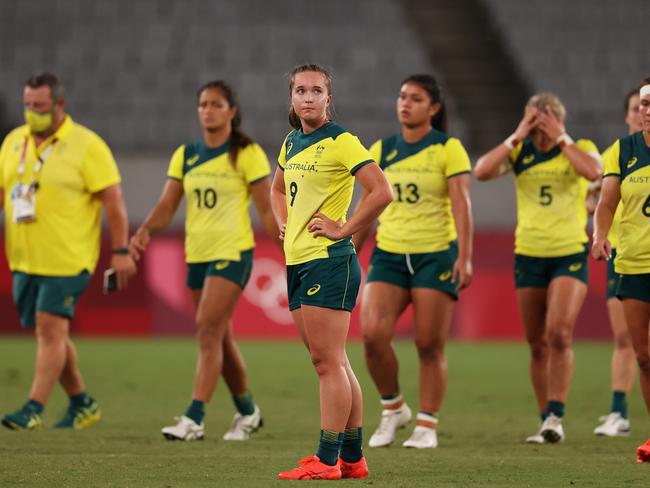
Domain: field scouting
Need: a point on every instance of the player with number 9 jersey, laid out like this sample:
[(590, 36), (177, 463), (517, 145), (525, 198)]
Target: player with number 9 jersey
[(312, 188)]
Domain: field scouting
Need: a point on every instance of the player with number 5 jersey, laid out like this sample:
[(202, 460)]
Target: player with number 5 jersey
[(551, 245), (217, 174)]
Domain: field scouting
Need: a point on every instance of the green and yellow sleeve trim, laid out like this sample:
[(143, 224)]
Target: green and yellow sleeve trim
[(361, 165), (464, 172)]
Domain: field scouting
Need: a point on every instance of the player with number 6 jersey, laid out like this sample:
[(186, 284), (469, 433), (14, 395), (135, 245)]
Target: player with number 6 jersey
[(626, 179), (551, 245), (217, 174)]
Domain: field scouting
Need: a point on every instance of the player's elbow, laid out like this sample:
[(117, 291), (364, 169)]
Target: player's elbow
[(480, 170)]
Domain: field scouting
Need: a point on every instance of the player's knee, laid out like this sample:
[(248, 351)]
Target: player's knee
[(622, 342), (323, 364), (538, 349), (559, 338), (375, 344), (430, 351), (209, 334), (643, 360)]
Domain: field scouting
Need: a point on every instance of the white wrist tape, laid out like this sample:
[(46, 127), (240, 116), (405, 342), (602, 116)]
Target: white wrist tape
[(564, 140), (511, 142)]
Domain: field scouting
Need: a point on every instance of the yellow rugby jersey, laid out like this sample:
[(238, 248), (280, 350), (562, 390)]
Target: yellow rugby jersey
[(217, 196), (65, 236), (551, 211), (318, 177), (629, 159), (419, 219), (614, 230)]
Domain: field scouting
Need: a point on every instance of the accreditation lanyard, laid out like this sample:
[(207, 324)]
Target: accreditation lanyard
[(41, 158)]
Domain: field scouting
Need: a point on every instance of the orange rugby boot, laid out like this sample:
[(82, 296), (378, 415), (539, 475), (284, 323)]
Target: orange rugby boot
[(643, 453), (354, 470), (311, 468)]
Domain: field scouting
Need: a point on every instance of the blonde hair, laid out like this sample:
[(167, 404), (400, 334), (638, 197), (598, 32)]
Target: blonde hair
[(542, 100)]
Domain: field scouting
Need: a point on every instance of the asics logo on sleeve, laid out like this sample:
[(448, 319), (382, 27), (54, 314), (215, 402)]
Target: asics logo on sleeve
[(192, 160), (632, 162), (575, 267), (313, 290), (392, 155)]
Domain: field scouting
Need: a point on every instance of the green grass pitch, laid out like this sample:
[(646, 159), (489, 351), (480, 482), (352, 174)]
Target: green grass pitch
[(142, 384)]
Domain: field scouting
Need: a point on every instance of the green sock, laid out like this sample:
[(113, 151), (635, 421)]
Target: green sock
[(196, 411), (351, 450), (80, 400), (244, 403), (34, 406), (556, 408), (619, 404), (329, 446)]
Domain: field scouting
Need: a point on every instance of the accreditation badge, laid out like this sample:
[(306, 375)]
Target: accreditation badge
[(23, 203)]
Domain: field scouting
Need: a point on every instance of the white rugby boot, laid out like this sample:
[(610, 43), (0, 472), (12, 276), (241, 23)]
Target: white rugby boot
[(613, 425), (391, 421), (243, 426), (184, 430)]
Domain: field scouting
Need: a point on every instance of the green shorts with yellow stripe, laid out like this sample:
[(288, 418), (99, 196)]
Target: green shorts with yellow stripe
[(423, 270), (612, 277), (331, 282), (635, 286), (535, 272), (236, 271), (57, 295)]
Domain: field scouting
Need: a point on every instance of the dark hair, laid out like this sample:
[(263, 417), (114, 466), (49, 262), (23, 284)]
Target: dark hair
[(238, 139), (47, 79), (294, 120), (429, 84), (628, 97)]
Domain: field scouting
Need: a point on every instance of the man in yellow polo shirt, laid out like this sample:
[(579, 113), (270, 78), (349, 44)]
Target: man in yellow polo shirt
[(55, 177)]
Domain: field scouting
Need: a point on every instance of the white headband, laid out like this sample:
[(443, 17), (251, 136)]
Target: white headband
[(644, 91)]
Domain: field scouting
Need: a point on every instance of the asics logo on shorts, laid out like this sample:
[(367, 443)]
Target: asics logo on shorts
[(192, 160), (392, 155), (68, 302), (632, 162), (444, 276), (575, 267), (313, 290), (221, 265), (529, 159)]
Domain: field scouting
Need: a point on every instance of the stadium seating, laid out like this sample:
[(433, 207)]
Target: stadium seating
[(590, 52), (131, 68)]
